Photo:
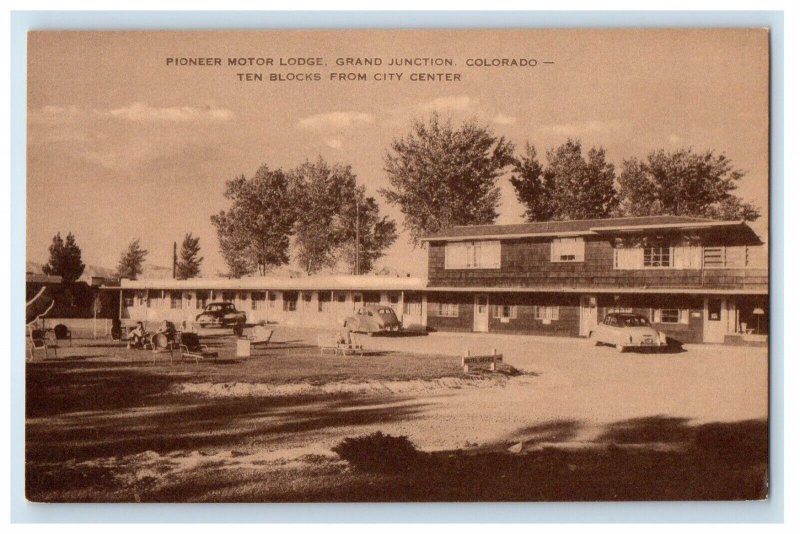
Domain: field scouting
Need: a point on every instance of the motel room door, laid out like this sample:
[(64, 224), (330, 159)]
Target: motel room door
[(481, 319), (588, 314), (715, 320)]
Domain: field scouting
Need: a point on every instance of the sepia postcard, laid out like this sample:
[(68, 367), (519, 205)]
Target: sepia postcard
[(397, 265)]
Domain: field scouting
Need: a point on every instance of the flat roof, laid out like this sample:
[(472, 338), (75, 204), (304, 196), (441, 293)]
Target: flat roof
[(327, 282)]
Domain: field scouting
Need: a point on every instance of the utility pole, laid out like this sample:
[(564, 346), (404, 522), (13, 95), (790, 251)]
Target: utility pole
[(358, 239), (174, 259)]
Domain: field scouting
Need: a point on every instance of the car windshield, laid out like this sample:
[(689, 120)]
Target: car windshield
[(218, 307), (385, 312)]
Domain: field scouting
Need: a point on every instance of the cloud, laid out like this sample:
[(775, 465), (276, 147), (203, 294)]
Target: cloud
[(584, 127), (337, 120), (448, 103), (335, 143), (141, 112), (501, 118)]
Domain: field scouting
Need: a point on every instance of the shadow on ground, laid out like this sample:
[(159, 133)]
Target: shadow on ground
[(720, 461)]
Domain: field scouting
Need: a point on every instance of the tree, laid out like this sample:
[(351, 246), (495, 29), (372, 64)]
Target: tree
[(254, 233), (131, 261), (570, 187), (319, 192), (533, 186), (683, 183), (443, 176), (189, 263), (376, 232), (324, 232), (65, 259)]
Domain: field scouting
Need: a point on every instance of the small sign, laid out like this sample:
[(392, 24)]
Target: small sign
[(492, 359)]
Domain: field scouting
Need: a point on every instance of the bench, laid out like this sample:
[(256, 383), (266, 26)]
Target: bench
[(481, 359), (336, 347)]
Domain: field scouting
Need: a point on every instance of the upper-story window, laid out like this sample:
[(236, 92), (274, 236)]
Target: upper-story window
[(657, 256), (567, 249), (472, 255)]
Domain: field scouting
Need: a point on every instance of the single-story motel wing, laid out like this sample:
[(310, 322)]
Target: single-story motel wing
[(696, 279)]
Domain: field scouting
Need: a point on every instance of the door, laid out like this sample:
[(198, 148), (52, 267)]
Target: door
[(481, 319), (588, 320), (715, 319)]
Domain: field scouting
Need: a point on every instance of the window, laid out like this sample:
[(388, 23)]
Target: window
[(202, 300), (153, 299), (567, 249), (657, 257), (290, 301), (668, 316), (128, 299), (714, 309), (228, 296), (547, 313), (258, 300), (175, 300), (505, 312), (444, 309), (472, 255), (272, 298), (306, 301), (412, 305), (324, 302), (141, 297)]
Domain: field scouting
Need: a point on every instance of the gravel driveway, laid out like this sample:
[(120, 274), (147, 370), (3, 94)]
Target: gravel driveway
[(572, 392)]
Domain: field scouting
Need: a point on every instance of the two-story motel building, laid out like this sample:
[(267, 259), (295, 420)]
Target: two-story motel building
[(698, 280)]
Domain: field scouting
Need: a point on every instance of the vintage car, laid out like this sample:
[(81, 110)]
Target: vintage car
[(373, 318), (627, 330), (222, 315)]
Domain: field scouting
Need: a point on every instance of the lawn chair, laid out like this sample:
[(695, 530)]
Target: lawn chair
[(353, 348), (39, 340), (326, 344), (260, 337), (191, 348), (160, 344)]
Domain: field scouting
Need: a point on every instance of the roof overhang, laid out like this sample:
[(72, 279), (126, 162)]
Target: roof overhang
[(509, 236), (595, 230), (674, 226)]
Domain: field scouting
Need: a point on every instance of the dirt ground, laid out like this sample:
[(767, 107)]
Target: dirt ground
[(562, 421)]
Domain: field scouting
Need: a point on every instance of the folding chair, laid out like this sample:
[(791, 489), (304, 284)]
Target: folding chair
[(38, 340)]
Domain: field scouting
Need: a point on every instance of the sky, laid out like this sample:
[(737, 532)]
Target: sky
[(123, 145)]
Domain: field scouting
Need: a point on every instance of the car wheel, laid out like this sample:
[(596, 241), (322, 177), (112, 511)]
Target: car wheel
[(620, 347)]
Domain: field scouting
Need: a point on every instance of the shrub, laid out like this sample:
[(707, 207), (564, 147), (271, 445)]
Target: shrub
[(378, 452)]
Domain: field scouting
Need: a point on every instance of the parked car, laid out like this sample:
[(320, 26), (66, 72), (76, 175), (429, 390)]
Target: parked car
[(222, 315), (373, 318), (627, 330)]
